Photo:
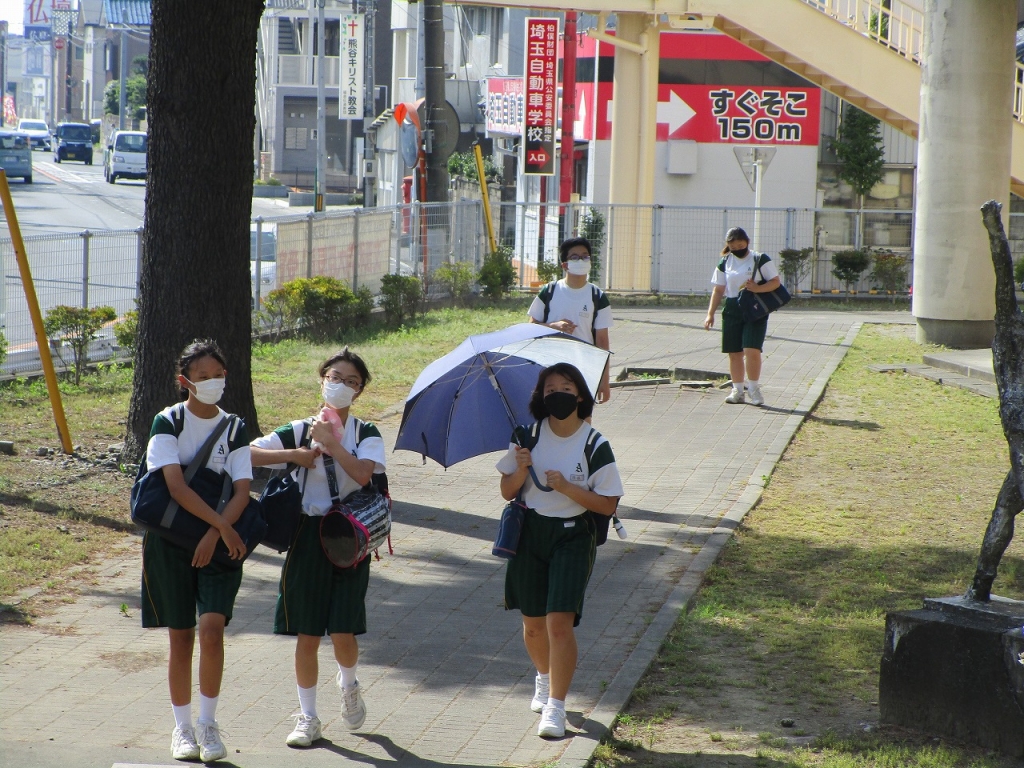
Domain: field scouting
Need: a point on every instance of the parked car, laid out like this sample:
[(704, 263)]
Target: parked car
[(38, 131), (72, 141), (125, 156), (16, 155), (268, 264)]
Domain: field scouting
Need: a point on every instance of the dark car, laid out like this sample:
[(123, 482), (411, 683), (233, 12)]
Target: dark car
[(72, 141)]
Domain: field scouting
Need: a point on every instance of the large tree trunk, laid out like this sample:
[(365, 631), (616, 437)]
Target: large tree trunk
[(195, 265)]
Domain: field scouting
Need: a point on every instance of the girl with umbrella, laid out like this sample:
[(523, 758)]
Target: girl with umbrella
[(316, 598), (559, 480)]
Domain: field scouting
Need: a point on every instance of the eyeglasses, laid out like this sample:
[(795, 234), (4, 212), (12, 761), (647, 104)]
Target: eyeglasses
[(578, 257), (351, 381)]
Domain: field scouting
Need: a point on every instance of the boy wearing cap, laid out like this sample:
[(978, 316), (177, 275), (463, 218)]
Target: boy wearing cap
[(742, 341)]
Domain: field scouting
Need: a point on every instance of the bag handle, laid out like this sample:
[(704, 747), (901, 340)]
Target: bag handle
[(198, 461)]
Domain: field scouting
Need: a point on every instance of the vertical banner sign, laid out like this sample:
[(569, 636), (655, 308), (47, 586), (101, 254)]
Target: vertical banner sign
[(541, 96), (350, 76)]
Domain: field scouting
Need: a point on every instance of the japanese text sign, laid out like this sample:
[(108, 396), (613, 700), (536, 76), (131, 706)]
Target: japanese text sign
[(540, 96), (350, 74), (505, 105)]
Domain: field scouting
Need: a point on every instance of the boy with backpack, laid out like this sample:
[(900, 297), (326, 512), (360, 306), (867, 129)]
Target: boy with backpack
[(574, 305)]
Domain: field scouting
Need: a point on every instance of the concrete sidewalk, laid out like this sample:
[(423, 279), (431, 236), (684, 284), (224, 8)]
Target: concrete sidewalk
[(445, 675)]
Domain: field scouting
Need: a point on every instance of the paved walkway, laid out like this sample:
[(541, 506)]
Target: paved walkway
[(446, 679)]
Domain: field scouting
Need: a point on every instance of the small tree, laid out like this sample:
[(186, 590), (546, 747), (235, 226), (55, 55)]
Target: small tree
[(497, 274), (400, 297), (76, 326), (796, 264), (858, 147), (890, 271), (592, 228), (548, 271), (848, 266), (457, 279), (135, 88), (127, 330)]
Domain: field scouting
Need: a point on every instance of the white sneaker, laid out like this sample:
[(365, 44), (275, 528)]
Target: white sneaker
[(552, 722), (183, 744), (353, 710), (210, 746), (541, 691), (736, 396), (756, 398), (307, 730)]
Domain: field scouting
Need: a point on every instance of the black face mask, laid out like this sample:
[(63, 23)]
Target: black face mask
[(741, 253), (561, 405)]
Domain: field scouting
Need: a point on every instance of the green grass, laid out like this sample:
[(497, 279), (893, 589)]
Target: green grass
[(881, 500)]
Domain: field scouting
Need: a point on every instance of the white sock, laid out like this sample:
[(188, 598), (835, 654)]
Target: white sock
[(737, 386), (752, 384), (558, 704), (348, 676), (545, 680), (307, 700), (207, 709), (182, 716)]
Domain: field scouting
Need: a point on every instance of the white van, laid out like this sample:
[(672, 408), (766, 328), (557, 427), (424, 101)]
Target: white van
[(125, 156)]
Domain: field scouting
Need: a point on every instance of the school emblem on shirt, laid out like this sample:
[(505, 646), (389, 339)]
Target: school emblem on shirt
[(577, 475)]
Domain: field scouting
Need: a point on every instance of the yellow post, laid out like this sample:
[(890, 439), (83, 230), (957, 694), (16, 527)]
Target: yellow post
[(483, 191), (37, 318)]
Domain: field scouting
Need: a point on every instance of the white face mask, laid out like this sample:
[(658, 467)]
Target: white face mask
[(579, 267), (210, 391), (337, 395)]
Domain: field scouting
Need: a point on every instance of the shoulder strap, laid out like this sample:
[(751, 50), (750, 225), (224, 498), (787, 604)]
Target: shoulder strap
[(545, 296), (178, 418), (595, 294), (588, 448), (199, 461)]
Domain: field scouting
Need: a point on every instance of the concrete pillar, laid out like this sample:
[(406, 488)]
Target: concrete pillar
[(634, 132), (963, 160)]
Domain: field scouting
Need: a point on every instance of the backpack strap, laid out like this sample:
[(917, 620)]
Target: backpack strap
[(595, 295), (545, 297), (178, 418), (588, 448)]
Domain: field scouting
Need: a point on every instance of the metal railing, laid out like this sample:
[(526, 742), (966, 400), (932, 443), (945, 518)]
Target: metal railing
[(664, 249)]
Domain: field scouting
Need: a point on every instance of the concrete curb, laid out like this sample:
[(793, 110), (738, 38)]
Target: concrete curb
[(581, 749)]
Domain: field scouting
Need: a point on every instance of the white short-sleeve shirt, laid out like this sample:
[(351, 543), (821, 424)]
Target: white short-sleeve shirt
[(230, 453), (576, 305), (738, 270)]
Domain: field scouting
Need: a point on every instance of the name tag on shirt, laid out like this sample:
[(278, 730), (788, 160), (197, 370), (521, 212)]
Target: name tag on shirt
[(569, 524)]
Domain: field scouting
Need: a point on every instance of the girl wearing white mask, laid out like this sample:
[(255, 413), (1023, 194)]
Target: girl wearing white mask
[(315, 597), (575, 306), (176, 582)]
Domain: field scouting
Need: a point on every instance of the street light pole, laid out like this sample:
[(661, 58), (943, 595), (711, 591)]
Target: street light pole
[(321, 111), (122, 102)]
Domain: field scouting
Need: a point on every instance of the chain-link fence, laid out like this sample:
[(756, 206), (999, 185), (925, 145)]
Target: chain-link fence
[(637, 249)]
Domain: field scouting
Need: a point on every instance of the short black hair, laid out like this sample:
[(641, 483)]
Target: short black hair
[(198, 349), (572, 242), (347, 356), (571, 372)]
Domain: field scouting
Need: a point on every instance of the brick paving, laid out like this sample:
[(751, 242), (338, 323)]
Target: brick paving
[(445, 676)]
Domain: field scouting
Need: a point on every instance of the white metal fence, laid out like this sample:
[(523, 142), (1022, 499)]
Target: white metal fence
[(640, 248)]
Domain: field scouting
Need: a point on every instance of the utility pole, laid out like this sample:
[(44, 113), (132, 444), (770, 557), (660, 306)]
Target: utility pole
[(433, 44), (321, 112), (568, 119), (369, 100), (122, 55)]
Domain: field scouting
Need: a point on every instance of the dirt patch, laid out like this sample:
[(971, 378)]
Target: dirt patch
[(131, 661)]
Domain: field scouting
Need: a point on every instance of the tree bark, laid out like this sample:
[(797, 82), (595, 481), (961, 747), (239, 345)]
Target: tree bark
[(195, 280)]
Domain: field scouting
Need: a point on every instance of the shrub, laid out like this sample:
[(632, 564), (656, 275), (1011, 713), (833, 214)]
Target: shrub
[(3, 347), (795, 264), (400, 297), (464, 164), (126, 332), (848, 266), (1018, 271), (497, 274), (592, 228), (457, 279), (76, 326), (890, 271), (322, 307), (550, 270)]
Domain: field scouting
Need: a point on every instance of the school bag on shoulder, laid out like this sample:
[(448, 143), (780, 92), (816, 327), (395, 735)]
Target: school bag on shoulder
[(153, 508), (527, 437), (282, 501), (549, 290)]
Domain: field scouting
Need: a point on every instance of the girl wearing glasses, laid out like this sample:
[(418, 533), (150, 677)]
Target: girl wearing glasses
[(315, 597)]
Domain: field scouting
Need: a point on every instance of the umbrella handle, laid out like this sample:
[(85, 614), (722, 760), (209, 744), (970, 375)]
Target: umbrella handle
[(537, 482)]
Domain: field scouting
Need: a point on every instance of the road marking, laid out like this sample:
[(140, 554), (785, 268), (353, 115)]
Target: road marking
[(55, 173)]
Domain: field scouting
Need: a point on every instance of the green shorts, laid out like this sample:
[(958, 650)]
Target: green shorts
[(738, 335), (314, 597), (173, 591), (550, 571)]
